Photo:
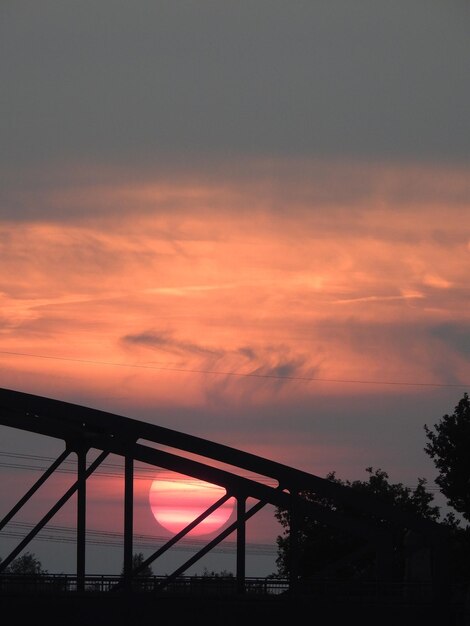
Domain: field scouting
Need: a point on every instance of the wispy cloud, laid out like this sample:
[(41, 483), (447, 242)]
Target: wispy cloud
[(405, 296), (187, 290), (166, 342)]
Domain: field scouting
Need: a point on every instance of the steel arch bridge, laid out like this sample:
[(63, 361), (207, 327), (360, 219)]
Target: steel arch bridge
[(83, 429)]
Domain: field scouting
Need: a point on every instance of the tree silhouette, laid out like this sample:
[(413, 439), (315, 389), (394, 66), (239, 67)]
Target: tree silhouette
[(137, 560), (26, 564), (449, 447), (212, 574), (320, 545)]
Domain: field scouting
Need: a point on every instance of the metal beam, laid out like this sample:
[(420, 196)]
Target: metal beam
[(81, 518), (241, 543), (293, 540), (128, 518)]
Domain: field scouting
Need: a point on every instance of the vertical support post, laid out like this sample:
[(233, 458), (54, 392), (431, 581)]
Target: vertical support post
[(128, 518), (241, 544), (293, 540), (81, 517)]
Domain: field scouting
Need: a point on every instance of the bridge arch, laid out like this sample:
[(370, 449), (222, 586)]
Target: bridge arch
[(84, 428)]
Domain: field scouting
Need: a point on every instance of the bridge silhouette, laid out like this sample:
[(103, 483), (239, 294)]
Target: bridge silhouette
[(83, 429)]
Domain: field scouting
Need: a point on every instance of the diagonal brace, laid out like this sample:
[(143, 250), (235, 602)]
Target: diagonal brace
[(177, 537), (41, 480), (207, 548), (48, 516), (182, 533)]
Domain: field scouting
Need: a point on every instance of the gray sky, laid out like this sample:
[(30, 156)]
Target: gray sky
[(142, 81)]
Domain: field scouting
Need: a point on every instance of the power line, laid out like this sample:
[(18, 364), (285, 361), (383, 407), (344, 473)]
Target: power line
[(240, 374), (67, 534), (139, 471)]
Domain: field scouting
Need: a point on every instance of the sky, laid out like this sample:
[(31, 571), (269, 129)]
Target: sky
[(248, 221)]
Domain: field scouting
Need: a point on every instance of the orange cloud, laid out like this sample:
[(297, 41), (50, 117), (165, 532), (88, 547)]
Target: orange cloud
[(224, 283)]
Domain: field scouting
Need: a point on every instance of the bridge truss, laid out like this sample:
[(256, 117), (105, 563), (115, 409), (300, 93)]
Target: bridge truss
[(83, 429)]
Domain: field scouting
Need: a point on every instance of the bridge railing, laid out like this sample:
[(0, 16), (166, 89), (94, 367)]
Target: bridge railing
[(186, 585), (320, 590)]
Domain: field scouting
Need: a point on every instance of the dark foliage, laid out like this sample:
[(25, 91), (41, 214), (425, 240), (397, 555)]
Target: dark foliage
[(449, 447), (137, 560), (321, 545), (27, 564)]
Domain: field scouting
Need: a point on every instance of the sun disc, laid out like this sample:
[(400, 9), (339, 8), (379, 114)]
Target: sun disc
[(178, 500)]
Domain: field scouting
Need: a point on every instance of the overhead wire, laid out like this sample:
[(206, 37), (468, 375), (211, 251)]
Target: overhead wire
[(138, 471), (67, 534), (239, 374)]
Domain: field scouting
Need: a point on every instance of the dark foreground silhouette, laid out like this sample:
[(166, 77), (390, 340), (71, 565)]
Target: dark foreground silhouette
[(127, 611)]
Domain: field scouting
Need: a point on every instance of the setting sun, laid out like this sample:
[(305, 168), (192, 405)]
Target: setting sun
[(177, 500)]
